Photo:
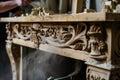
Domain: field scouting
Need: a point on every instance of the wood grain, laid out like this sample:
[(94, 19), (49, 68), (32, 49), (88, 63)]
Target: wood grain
[(67, 52), (66, 18)]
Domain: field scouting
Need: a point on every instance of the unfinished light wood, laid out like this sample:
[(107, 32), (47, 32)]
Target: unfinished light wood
[(66, 18), (80, 55), (90, 37)]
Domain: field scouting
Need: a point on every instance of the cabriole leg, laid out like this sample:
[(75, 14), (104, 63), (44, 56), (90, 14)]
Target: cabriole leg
[(12, 60)]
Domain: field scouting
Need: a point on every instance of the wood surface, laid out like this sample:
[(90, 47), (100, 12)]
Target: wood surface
[(66, 18), (75, 54)]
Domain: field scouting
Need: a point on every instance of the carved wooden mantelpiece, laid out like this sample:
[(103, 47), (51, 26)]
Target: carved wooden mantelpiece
[(90, 37)]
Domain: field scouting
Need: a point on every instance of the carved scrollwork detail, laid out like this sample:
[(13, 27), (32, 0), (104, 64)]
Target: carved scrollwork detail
[(96, 44), (75, 36), (96, 74), (26, 32), (69, 36), (22, 32), (60, 35)]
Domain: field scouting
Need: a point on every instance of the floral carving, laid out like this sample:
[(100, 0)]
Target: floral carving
[(62, 35), (69, 36), (96, 43), (74, 36)]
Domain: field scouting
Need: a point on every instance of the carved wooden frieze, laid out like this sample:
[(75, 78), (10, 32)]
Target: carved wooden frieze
[(79, 36)]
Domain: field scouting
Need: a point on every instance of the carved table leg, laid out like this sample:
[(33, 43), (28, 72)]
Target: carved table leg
[(13, 52), (15, 57), (12, 60)]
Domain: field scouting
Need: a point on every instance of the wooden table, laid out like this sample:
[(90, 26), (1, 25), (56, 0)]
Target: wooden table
[(90, 37)]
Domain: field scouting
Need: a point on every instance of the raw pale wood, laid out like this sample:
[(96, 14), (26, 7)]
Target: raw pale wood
[(66, 17), (90, 37), (80, 55)]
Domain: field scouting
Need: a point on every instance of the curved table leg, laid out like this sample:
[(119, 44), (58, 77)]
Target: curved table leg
[(12, 60)]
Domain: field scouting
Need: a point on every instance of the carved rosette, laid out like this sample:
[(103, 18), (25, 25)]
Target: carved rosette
[(96, 44)]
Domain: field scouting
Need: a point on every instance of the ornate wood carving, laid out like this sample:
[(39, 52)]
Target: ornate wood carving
[(79, 36), (96, 43), (74, 36), (12, 60), (94, 73), (9, 51), (69, 36), (58, 35)]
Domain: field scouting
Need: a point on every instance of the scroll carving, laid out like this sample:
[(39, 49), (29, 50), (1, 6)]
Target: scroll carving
[(74, 36), (9, 51), (23, 32), (69, 36), (58, 35)]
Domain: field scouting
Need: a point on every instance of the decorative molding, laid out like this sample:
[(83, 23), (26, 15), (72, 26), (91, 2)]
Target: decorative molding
[(94, 73), (69, 36), (62, 35), (65, 35)]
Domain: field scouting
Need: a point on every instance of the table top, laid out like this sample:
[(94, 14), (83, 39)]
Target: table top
[(99, 16)]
